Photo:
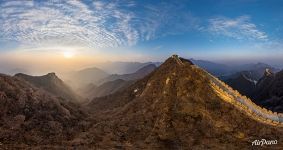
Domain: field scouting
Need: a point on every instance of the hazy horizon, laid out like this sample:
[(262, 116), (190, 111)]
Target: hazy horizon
[(52, 36)]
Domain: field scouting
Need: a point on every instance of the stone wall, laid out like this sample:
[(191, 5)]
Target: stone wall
[(245, 104)]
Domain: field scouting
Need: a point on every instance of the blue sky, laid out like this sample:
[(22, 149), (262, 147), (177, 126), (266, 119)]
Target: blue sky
[(219, 30)]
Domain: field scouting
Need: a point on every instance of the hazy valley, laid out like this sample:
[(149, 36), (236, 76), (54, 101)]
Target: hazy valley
[(176, 105), (141, 75)]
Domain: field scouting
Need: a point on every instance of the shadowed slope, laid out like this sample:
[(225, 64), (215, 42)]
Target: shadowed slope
[(142, 72), (51, 83), (107, 88), (31, 116), (176, 107), (269, 91)]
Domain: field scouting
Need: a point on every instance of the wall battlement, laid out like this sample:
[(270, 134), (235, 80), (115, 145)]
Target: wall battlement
[(246, 104)]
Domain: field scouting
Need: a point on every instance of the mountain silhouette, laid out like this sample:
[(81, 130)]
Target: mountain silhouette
[(180, 106), (177, 106), (118, 67), (216, 69), (32, 116), (115, 82), (106, 88), (242, 83), (269, 91), (132, 76), (52, 84), (84, 77)]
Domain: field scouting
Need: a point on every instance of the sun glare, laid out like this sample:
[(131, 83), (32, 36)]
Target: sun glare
[(68, 54)]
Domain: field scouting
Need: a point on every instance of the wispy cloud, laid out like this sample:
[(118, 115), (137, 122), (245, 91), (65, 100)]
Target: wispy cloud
[(93, 24), (239, 28), (72, 22), (96, 24)]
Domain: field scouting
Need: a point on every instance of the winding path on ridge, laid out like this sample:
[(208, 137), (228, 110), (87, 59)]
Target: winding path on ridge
[(250, 105), (255, 111)]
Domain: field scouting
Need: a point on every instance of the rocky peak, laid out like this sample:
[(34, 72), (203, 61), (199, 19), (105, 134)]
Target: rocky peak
[(51, 77), (52, 74), (175, 59), (52, 84), (268, 72)]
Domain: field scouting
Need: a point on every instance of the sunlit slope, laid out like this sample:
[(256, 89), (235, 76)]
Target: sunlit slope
[(180, 106)]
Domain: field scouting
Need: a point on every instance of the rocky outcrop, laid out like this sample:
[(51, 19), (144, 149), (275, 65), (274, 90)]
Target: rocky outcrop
[(269, 91), (31, 116), (52, 84)]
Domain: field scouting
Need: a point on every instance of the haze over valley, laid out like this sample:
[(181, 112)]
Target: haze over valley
[(126, 74)]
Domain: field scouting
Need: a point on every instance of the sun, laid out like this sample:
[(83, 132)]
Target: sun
[(68, 54)]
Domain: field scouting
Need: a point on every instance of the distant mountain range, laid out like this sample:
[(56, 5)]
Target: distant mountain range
[(216, 69), (132, 76), (124, 67), (174, 107), (116, 82), (245, 81), (230, 71), (81, 78), (106, 88), (177, 105), (269, 91)]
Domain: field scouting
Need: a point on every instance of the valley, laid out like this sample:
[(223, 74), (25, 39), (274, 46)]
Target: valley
[(174, 104)]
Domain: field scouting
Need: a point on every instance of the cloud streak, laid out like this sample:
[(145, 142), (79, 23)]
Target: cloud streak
[(66, 23), (93, 24), (104, 24), (240, 28)]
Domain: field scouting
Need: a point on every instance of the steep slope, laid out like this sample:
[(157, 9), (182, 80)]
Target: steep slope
[(178, 106), (106, 88), (133, 76), (51, 83), (31, 117), (269, 91), (263, 85), (245, 81), (115, 82), (253, 72), (245, 85)]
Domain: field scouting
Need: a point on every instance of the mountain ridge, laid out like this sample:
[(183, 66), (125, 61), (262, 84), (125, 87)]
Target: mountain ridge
[(141, 72), (177, 107), (32, 116), (51, 83)]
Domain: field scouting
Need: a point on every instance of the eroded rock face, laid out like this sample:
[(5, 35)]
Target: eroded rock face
[(33, 116), (269, 91)]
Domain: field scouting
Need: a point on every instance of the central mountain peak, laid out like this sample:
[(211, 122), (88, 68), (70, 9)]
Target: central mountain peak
[(268, 72), (176, 101), (175, 59)]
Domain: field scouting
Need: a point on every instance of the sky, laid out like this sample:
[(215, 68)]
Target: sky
[(72, 34)]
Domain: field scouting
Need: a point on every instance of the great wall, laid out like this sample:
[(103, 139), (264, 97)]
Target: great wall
[(241, 102), (245, 104)]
